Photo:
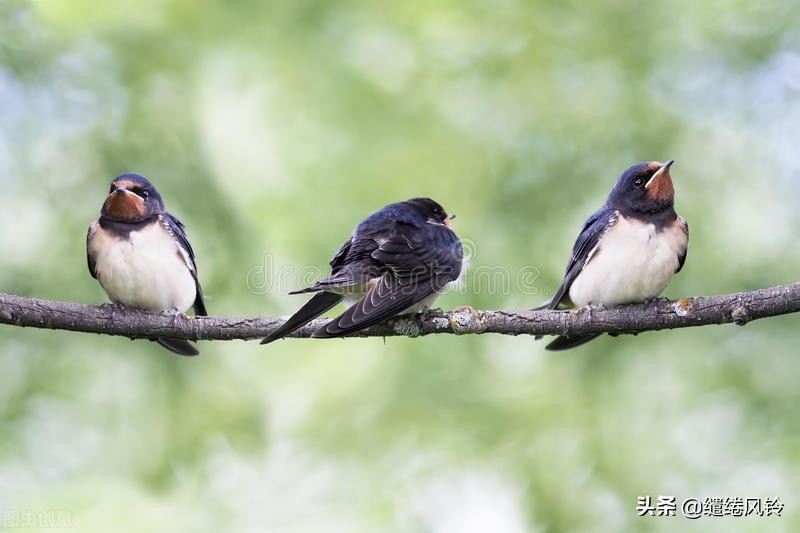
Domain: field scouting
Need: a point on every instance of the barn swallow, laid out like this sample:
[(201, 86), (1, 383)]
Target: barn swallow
[(628, 250), (141, 256), (397, 261)]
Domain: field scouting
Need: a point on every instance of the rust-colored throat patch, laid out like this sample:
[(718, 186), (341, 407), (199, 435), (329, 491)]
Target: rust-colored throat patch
[(124, 205), (660, 188)]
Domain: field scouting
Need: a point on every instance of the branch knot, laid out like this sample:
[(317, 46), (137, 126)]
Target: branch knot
[(740, 316)]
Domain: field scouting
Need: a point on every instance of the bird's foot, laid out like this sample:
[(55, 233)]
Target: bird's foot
[(176, 316), (591, 307), (426, 312), (464, 309)]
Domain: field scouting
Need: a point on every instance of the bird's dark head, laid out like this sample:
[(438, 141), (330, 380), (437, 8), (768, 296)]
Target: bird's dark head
[(132, 198), (431, 210), (643, 188)]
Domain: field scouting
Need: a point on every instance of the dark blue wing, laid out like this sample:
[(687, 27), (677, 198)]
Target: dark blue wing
[(178, 231), (592, 230), (89, 259), (351, 266), (685, 227), (417, 263)]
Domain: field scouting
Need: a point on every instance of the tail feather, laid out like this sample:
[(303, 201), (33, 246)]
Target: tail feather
[(565, 343), (200, 304), (321, 302), (178, 346)]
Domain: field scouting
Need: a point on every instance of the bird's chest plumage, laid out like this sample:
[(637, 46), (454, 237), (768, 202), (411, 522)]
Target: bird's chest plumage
[(633, 261), (144, 269)]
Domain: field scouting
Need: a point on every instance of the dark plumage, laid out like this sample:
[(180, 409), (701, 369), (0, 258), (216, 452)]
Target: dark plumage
[(396, 261)]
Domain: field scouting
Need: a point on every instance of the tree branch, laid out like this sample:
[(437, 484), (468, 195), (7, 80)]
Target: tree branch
[(738, 308)]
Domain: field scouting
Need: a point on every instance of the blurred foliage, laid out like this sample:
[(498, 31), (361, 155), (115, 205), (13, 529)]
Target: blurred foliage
[(271, 129)]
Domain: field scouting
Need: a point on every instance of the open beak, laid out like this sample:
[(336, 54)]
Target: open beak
[(661, 171)]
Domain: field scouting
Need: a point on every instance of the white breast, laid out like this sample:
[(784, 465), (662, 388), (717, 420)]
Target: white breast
[(147, 270), (632, 263)]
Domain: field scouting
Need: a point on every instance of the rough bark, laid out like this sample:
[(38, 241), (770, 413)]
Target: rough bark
[(738, 308)]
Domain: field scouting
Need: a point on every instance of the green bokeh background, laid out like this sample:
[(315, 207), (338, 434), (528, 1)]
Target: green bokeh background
[(271, 129)]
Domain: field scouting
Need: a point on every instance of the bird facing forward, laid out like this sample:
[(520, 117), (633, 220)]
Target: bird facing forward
[(628, 250), (141, 256), (398, 260)]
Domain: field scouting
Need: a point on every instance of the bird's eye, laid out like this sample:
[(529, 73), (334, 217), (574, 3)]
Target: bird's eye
[(638, 182), (145, 194)]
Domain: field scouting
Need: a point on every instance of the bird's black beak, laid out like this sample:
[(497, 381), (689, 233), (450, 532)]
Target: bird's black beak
[(664, 169), (121, 190)]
